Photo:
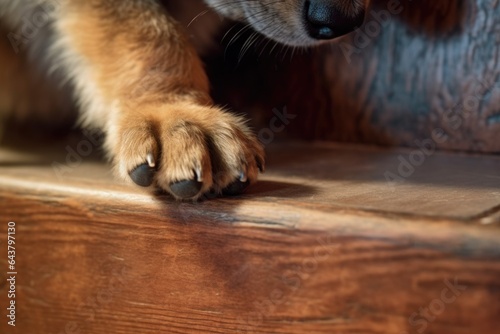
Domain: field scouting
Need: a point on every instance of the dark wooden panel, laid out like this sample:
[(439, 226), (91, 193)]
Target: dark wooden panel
[(432, 67)]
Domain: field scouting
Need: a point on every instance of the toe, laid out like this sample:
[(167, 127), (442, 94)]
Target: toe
[(236, 188), (186, 189), (143, 175)]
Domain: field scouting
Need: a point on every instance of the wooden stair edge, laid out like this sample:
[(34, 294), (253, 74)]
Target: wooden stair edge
[(275, 260)]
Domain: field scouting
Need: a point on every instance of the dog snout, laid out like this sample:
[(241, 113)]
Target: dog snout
[(324, 20)]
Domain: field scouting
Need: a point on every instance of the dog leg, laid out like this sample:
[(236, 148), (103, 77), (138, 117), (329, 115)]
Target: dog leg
[(138, 79)]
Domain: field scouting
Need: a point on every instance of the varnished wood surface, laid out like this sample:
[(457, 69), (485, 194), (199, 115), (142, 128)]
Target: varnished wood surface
[(321, 245)]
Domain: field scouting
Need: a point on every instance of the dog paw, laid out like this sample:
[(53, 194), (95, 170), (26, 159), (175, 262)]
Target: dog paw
[(187, 150)]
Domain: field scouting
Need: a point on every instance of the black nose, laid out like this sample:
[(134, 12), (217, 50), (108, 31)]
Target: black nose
[(324, 20)]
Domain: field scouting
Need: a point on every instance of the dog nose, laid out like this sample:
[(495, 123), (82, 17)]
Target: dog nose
[(324, 20)]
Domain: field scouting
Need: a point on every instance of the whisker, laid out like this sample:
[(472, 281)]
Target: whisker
[(197, 17)]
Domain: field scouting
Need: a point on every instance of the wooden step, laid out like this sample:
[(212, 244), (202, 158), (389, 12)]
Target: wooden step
[(322, 244)]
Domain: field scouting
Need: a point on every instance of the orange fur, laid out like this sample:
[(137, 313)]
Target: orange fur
[(139, 79), (137, 76)]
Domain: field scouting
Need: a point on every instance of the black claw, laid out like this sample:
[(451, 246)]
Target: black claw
[(236, 188), (260, 164), (186, 189), (143, 175), (211, 194)]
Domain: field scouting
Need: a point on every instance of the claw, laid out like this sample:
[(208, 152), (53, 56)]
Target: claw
[(199, 176), (151, 160), (143, 175), (186, 189), (260, 165), (243, 177), (236, 188)]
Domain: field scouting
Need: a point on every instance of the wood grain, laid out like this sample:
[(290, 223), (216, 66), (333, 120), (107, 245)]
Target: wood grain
[(318, 246), (434, 66)]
